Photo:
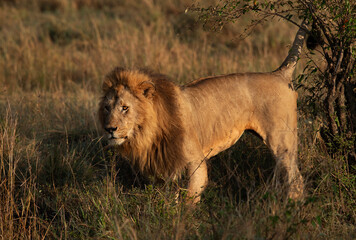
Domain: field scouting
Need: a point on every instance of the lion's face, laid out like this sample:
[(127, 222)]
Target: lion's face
[(118, 115)]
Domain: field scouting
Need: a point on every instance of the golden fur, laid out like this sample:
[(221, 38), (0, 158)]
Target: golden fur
[(163, 128)]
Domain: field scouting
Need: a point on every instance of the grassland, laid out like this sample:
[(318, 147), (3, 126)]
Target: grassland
[(58, 181)]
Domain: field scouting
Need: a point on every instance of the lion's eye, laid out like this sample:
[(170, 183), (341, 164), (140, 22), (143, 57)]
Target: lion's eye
[(125, 108)]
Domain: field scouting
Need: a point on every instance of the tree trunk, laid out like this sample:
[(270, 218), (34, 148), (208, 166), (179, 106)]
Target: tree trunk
[(330, 99), (341, 109)]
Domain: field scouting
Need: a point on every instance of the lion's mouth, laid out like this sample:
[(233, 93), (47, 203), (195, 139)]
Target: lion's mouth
[(118, 138), (112, 137), (115, 140)]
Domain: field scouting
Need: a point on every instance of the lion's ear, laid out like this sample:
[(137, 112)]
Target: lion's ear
[(147, 88)]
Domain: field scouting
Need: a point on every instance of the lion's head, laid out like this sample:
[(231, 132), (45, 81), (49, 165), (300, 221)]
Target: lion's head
[(140, 116), (126, 105)]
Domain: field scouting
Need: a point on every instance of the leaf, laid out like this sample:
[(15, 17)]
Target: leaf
[(288, 215), (274, 219)]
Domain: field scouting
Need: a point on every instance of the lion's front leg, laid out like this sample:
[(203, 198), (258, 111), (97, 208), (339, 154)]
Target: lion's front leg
[(198, 179)]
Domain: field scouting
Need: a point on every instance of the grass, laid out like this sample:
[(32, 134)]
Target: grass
[(57, 179)]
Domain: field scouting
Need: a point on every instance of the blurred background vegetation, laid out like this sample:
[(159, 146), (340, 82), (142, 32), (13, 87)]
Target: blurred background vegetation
[(58, 181)]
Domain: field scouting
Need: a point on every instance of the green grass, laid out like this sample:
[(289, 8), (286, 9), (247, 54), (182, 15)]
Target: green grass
[(59, 181)]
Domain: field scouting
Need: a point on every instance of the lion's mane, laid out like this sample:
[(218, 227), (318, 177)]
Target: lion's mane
[(156, 148)]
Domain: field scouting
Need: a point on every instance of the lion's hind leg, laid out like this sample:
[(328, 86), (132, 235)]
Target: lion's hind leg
[(283, 144)]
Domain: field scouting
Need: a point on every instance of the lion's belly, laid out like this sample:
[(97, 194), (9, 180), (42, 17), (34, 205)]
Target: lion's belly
[(219, 145)]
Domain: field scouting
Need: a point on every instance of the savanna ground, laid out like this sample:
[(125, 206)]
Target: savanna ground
[(57, 179)]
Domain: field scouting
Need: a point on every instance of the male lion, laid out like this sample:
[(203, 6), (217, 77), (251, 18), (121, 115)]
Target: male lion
[(163, 128)]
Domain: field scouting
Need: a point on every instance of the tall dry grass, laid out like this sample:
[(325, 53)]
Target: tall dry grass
[(58, 181), (54, 50)]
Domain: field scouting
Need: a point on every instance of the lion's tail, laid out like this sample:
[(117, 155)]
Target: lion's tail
[(289, 63)]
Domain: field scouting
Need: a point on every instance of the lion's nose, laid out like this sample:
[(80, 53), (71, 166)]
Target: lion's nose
[(110, 129)]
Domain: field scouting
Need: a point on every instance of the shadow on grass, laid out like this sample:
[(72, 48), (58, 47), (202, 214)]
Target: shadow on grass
[(241, 170)]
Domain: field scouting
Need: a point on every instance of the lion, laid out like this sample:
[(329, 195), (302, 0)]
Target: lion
[(163, 128)]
